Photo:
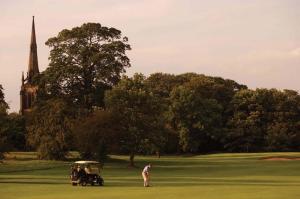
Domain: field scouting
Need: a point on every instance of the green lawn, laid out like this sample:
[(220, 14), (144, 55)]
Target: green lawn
[(218, 176)]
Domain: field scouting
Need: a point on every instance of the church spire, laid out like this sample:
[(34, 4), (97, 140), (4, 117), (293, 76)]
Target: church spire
[(33, 67), (28, 90)]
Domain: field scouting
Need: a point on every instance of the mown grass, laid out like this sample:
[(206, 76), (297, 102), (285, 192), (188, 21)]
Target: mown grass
[(240, 176)]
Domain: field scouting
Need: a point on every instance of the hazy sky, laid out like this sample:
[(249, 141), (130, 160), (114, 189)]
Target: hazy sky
[(255, 42)]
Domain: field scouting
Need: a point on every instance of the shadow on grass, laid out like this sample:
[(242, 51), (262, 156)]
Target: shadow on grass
[(30, 170), (20, 159), (31, 178), (161, 182), (30, 182), (205, 182)]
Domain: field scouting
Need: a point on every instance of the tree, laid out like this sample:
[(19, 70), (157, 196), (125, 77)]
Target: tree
[(3, 105), (283, 130), (16, 132), (96, 135), (12, 128), (139, 115), (84, 62), (247, 126), (3, 124), (264, 120), (216, 88), (196, 116), (49, 129), (162, 84)]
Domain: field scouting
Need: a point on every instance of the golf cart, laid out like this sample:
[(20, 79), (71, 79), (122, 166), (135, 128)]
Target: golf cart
[(86, 172)]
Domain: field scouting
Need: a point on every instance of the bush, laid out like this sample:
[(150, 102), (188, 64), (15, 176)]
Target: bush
[(95, 135), (49, 129), (50, 149)]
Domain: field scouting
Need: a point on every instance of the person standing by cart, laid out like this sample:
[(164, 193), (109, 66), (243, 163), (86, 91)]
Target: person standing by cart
[(146, 175)]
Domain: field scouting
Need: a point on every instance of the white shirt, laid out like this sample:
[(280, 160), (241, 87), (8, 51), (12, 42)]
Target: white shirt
[(146, 169)]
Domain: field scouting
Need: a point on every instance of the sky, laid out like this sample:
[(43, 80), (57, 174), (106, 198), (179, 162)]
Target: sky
[(254, 42)]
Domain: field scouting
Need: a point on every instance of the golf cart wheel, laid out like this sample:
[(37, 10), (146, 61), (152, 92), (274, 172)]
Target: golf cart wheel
[(74, 184), (101, 182)]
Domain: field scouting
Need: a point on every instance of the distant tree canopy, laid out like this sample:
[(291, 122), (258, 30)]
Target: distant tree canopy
[(84, 62), (165, 113), (264, 120), (196, 117), (197, 112)]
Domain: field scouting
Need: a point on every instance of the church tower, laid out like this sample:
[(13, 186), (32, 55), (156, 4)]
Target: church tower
[(28, 89)]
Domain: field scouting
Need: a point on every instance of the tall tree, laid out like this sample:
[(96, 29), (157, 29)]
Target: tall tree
[(139, 115), (84, 62)]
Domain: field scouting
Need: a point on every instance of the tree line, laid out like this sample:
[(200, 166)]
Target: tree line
[(86, 103)]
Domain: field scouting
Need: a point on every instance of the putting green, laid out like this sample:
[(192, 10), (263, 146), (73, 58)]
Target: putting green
[(234, 176)]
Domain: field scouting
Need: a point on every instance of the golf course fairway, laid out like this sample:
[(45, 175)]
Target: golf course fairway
[(216, 176)]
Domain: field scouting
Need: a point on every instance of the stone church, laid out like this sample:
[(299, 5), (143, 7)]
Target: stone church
[(28, 89)]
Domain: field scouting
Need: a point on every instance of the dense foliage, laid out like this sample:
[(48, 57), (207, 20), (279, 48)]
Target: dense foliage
[(164, 113), (264, 120), (12, 128), (48, 128), (16, 132), (96, 135)]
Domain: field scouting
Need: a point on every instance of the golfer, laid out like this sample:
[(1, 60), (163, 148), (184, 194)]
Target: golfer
[(146, 175)]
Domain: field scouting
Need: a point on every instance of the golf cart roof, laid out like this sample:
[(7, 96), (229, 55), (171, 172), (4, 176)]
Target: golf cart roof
[(86, 162)]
